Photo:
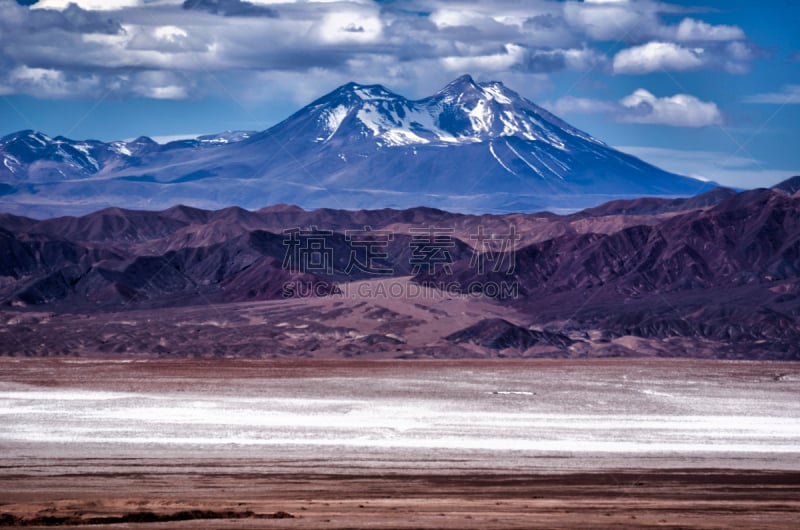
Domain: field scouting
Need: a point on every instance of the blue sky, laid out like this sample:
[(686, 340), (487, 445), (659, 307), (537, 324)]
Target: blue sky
[(706, 88)]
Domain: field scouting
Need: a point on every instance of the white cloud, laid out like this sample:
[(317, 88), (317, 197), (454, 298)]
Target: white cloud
[(165, 92), (159, 85), (739, 51), (680, 110), (94, 5), (656, 56), (582, 59), (51, 83), (354, 26), (170, 33), (789, 95), (606, 20), (498, 62), (642, 21), (696, 30), (456, 17), (573, 105)]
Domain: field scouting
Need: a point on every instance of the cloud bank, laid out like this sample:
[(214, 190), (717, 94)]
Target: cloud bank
[(177, 49)]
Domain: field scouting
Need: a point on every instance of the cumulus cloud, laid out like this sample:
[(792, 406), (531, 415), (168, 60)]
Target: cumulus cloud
[(696, 30), (680, 110), (50, 83), (356, 25), (656, 56), (617, 21), (637, 22), (733, 57), (789, 95), (511, 55)]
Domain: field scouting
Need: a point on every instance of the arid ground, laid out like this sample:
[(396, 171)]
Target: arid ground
[(170, 443)]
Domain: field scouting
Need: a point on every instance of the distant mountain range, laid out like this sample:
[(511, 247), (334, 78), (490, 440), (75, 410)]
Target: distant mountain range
[(471, 147), (721, 270)]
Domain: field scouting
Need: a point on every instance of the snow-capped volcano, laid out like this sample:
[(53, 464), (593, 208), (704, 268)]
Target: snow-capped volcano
[(462, 112), (469, 147)]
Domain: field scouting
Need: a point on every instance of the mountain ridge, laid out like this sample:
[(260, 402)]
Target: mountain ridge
[(471, 147), (721, 274)]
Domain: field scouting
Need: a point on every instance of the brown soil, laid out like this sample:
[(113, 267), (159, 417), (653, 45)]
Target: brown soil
[(209, 497)]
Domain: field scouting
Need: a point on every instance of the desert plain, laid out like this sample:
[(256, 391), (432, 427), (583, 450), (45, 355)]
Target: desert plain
[(128, 442)]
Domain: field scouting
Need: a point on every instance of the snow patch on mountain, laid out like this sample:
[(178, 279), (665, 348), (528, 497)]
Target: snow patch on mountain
[(224, 138), (525, 161), (83, 148), (11, 163), (121, 148), (481, 118), (463, 112), (374, 121), (415, 126), (41, 139), (491, 150), (495, 91), (373, 93), (425, 119), (333, 119)]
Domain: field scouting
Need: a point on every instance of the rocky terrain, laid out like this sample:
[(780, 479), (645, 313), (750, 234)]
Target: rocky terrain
[(716, 275), (728, 274)]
